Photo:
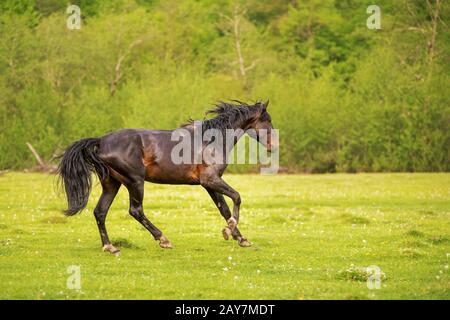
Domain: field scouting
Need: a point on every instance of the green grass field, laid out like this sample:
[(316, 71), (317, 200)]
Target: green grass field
[(310, 235)]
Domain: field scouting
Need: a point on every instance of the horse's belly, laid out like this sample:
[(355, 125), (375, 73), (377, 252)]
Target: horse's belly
[(159, 167), (176, 174)]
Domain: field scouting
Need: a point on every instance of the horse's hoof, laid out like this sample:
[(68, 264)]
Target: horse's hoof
[(111, 249), (244, 243), (232, 223), (226, 232), (164, 243)]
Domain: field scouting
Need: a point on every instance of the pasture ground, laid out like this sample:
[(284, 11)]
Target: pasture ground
[(312, 236)]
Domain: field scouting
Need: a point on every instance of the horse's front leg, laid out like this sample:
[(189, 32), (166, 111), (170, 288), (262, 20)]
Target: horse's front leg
[(215, 183), (221, 204)]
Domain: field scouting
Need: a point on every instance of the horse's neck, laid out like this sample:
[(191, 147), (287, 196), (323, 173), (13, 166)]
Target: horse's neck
[(239, 129)]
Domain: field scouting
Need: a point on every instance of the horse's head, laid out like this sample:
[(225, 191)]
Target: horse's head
[(261, 124)]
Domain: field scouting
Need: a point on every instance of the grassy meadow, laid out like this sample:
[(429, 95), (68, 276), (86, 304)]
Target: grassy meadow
[(311, 236)]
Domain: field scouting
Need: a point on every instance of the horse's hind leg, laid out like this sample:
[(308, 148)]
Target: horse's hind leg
[(222, 205), (110, 189), (136, 191)]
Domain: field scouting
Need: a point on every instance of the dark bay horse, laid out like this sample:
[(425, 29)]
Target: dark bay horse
[(131, 156)]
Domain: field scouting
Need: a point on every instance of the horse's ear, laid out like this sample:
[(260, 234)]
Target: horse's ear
[(266, 104)]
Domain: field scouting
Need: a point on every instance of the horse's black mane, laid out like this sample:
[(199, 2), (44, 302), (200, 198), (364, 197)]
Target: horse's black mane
[(227, 114)]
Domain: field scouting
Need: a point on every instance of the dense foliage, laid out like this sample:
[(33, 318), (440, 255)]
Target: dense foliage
[(345, 98)]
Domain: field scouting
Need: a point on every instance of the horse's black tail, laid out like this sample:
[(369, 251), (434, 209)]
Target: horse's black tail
[(77, 163)]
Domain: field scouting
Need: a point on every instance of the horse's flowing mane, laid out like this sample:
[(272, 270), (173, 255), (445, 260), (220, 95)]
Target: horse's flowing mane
[(227, 114)]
